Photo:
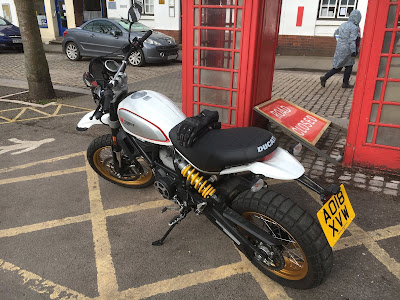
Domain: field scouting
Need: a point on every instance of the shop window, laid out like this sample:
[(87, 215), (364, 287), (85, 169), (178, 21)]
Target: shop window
[(147, 6), (7, 12), (92, 9), (40, 12), (336, 9)]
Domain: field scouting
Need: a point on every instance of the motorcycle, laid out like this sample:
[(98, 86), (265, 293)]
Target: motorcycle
[(221, 175)]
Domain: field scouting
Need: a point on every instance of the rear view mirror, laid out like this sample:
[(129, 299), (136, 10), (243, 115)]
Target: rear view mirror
[(134, 13)]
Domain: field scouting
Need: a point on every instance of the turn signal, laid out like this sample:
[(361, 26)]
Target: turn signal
[(256, 185)]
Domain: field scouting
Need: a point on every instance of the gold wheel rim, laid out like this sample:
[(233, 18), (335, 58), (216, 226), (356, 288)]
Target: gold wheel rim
[(296, 265), (98, 162)]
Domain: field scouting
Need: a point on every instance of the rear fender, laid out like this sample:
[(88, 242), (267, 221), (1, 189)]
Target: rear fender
[(282, 165), (87, 121)]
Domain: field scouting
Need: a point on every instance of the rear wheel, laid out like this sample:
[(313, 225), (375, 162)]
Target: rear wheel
[(72, 51), (133, 174), (306, 253)]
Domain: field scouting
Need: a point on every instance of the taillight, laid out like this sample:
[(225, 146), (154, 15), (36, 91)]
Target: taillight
[(65, 32)]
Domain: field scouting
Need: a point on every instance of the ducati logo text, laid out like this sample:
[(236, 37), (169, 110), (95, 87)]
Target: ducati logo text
[(267, 144)]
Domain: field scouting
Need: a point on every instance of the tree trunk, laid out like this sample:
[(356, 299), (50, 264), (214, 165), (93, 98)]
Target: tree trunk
[(36, 66)]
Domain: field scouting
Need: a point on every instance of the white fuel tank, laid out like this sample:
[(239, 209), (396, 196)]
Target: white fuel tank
[(149, 116)]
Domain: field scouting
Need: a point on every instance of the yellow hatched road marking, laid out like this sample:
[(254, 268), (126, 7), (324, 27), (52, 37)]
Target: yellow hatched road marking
[(40, 285), (39, 111), (57, 110), (20, 114), (45, 117)]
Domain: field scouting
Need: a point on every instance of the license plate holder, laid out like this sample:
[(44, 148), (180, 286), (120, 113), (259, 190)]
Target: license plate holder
[(336, 215)]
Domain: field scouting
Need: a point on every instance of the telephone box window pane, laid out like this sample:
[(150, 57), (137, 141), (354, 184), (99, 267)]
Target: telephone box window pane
[(239, 19), (196, 57), (196, 17), (390, 114), (382, 67), (370, 134), (385, 136), (217, 38), (235, 80), (374, 113), (237, 41), (391, 16), (234, 97), (394, 71), (386, 42), (218, 2), (396, 46), (217, 17), (392, 93), (236, 64), (195, 88), (195, 75), (195, 112), (212, 96), (223, 113), (240, 2), (233, 117), (216, 59), (196, 38), (215, 78), (378, 90), (196, 2)]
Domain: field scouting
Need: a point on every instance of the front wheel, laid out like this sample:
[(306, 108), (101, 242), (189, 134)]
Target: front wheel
[(72, 51), (137, 58), (133, 174), (306, 253)]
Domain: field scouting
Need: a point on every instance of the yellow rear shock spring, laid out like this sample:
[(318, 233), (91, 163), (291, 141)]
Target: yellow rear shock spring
[(199, 184)]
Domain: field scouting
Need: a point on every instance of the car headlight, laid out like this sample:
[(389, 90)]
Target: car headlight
[(172, 39), (2, 34), (152, 42)]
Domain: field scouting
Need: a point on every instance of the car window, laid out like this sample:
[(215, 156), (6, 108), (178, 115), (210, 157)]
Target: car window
[(135, 27), (104, 27), (88, 27), (4, 22)]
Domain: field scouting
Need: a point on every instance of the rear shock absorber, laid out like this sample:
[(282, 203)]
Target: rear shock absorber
[(198, 182)]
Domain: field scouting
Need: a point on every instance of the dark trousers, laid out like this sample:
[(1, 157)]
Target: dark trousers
[(346, 76)]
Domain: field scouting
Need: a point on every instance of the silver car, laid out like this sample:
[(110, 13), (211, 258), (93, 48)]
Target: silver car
[(106, 37)]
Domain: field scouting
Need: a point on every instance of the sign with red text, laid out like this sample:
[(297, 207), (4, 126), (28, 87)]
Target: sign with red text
[(301, 122)]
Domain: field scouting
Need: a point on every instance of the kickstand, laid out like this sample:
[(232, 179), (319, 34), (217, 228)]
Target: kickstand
[(175, 220), (160, 242)]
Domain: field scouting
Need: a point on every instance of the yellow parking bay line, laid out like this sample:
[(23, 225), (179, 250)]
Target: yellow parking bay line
[(38, 284), (42, 175), (50, 160), (106, 278)]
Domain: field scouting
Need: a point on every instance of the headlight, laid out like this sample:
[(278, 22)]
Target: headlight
[(2, 34), (152, 42), (172, 39)]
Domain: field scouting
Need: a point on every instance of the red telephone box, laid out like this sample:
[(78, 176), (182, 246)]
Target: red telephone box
[(373, 138), (228, 56)]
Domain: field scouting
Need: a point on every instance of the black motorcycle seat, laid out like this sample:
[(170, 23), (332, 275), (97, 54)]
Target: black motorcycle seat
[(220, 148)]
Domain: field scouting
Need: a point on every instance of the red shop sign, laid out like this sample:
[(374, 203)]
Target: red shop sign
[(301, 122)]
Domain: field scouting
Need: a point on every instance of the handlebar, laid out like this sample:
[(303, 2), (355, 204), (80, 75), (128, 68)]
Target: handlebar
[(146, 35)]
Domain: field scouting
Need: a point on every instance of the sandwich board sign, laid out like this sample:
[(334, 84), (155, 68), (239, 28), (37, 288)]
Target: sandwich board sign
[(300, 124)]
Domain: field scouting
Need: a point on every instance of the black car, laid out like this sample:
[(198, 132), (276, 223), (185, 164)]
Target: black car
[(10, 36)]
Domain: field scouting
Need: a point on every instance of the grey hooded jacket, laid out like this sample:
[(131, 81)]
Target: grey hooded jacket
[(348, 33)]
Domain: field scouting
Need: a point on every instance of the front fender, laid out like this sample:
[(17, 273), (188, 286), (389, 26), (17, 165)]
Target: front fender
[(87, 121), (282, 165)]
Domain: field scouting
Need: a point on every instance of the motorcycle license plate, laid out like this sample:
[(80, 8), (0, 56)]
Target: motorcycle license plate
[(335, 216)]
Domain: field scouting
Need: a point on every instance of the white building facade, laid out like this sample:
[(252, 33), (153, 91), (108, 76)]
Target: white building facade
[(306, 26)]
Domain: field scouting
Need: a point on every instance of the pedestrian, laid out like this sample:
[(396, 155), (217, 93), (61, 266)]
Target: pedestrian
[(347, 47)]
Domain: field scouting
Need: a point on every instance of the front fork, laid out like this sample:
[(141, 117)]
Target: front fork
[(115, 126)]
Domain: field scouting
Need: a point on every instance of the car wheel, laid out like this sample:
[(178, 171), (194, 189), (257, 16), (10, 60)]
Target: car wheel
[(72, 51), (137, 58)]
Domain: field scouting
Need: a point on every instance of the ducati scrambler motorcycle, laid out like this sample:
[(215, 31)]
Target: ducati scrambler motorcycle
[(215, 172)]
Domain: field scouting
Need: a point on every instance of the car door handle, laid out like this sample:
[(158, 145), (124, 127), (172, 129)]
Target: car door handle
[(92, 35)]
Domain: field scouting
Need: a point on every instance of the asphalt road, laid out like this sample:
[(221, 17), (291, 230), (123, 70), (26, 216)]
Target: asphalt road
[(65, 233)]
